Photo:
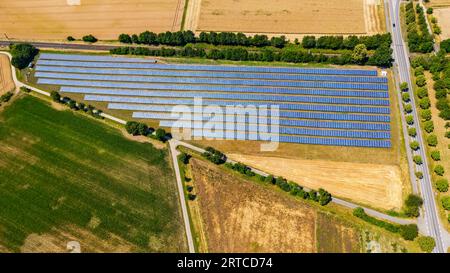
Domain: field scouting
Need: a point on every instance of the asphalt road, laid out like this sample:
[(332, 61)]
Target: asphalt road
[(431, 216)]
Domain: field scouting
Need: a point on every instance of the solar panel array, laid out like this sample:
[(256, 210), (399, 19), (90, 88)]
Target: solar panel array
[(343, 107)]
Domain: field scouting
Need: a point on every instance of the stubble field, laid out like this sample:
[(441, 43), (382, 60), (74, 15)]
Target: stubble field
[(105, 19), (285, 16)]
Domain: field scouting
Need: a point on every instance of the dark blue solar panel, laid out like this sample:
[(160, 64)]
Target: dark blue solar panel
[(211, 81), (257, 69), (210, 74), (251, 97)]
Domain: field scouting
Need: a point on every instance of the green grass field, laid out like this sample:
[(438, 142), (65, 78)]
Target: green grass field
[(67, 177)]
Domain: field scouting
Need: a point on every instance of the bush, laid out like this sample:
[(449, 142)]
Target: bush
[(6, 97), (414, 145), (70, 39), (55, 96), (409, 232), (421, 81), (89, 39), (419, 175), (161, 134), (214, 156), (360, 213), (436, 155), (408, 108), (412, 131), (405, 97), (426, 243), (22, 54), (417, 159), (432, 140), (428, 126), (424, 103), (184, 158), (425, 114), (125, 38), (404, 87), (446, 202), (324, 197), (442, 185), (409, 119), (439, 170), (269, 179), (422, 92)]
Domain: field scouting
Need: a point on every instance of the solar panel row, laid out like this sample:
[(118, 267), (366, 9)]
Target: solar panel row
[(188, 101), (247, 97), (77, 57), (258, 69), (297, 139), (300, 115), (285, 122), (171, 73), (282, 130), (263, 90), (210, 81)]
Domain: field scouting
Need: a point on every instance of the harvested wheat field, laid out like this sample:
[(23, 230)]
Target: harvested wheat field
[(243, 216), (105, 19), (443, 17), (439, 3), (376, 185), (6, 81), (287, 16)]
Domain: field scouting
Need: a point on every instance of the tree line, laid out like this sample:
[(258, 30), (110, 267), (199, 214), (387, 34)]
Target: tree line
[(382, 56), (322, 196), (182, 38), (419, 38)]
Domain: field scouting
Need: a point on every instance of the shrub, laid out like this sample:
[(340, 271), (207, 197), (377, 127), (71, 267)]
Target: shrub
[(324, 197), (125, 38), (184, 158), (408, 108), (404, 87), (425, 114), (436, 155), (132, 128), (214, 156), (439, 170), (412, 131), (426, 243), (70, 39), (424, 103), (360, 213), (446, 202), (418, 71), (409, 232), (414, 145), (161, 134), (89, 39), (55, 96), (409, 119), (432, 140), (442, 185), (269, 179), (421, 81), (419, 175), (422, 92), (22, 54), (6, 97), (405, 97), (417, 159), (428, 126)]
